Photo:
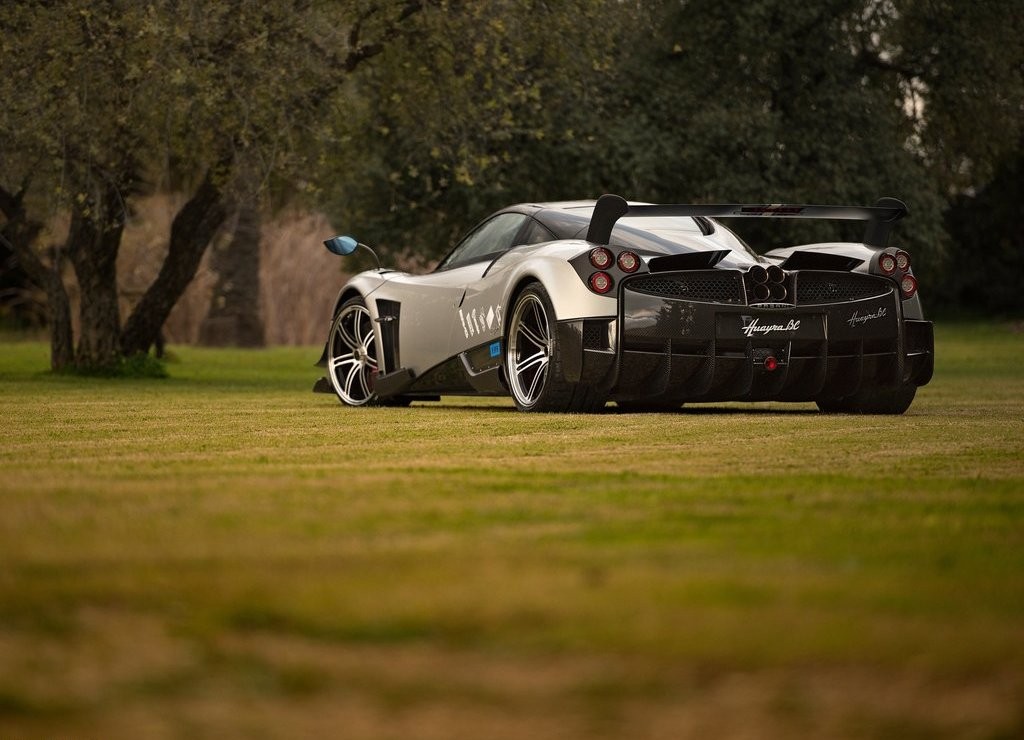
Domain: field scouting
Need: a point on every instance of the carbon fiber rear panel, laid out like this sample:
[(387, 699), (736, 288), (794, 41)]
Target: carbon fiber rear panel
[(845, 332)]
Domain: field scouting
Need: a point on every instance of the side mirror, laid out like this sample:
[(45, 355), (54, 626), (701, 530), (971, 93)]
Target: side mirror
[(341, 245)]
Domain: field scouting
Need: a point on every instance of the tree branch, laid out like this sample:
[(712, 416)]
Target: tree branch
[(874, 59)]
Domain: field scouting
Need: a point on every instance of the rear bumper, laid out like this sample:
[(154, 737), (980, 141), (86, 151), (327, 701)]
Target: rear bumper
[(677, 350)]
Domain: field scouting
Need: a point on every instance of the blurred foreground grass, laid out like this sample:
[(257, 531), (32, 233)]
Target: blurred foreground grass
[(223, 554)]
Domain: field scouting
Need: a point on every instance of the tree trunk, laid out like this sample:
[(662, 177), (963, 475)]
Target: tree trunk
[(93, 243), (234, 317), (19, 234), (191, 232), (59, 309)]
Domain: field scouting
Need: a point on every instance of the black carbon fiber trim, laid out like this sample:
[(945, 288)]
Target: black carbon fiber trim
[(681, 351), (818, 288), (595, 334), (709, 286)]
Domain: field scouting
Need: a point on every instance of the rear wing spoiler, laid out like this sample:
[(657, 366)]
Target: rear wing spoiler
[(880, 217)]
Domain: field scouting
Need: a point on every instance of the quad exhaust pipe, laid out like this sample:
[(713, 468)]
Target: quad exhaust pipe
[(767, 283)]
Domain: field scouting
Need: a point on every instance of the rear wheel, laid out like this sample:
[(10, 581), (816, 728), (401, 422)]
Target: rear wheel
[(891, 402), (533, 359)]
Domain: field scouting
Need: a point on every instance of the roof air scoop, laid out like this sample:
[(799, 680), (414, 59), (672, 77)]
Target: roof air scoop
[(687, 261), (608, 209)]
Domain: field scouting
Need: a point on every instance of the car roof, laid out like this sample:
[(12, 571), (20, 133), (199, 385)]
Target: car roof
[(570, 219)]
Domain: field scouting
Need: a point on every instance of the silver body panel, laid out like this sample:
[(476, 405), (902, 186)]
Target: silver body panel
[(458, 312)]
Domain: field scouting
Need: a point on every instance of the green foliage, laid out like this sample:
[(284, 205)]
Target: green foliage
[(104, 99), (842, 101), (481, 107), (124, 91), (988, 234), (462, 107), (136, 366), (963, 66)]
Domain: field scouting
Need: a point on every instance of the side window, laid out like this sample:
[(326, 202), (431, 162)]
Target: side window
[(491, 237), (536, 233)]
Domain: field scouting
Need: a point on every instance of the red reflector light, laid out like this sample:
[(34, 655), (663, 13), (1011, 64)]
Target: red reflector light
[(887, 264), (629, 262), (770, 363), (902, 260), (908, 286), (601, 282), (601, 258)]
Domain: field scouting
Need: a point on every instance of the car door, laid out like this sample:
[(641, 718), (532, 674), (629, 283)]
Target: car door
[(433, 312)]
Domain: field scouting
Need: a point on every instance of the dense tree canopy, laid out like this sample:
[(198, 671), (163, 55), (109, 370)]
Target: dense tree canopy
[(105, 99), (838, 101), (460, 107)]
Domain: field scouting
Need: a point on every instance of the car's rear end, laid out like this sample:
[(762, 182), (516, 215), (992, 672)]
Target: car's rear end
[(837, 324), (708, 335)]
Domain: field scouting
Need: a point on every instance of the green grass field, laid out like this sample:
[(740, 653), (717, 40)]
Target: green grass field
[(224, 554)]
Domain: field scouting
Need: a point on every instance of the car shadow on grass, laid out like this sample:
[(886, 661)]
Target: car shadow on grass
[(612, 410)]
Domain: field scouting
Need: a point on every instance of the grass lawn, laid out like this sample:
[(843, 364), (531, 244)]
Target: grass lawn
[(223, 554)]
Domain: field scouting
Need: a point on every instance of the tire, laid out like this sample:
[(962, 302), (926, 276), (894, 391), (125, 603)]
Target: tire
[(892, 402), (533, 359), (352, 363)]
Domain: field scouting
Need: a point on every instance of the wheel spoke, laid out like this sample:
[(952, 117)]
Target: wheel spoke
[(536, 360), (538, 377), (350, 379), (346, 335), (541, 321), (532, 336), (364, 382), (337, 362), (360, 328)]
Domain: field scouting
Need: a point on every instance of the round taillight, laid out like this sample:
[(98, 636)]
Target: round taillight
[(887, 264), (770, 363), (601, 282), (908, 286), (601, 258), (775, 274), (629, 262), (902, 260)]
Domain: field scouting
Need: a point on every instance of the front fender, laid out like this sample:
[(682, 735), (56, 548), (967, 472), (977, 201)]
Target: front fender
[(361, 285)]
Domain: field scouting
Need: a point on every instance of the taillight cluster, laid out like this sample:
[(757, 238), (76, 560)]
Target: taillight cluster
[(896, 264), (602, 259)]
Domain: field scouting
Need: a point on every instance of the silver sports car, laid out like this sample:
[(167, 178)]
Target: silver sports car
[(566, 306)]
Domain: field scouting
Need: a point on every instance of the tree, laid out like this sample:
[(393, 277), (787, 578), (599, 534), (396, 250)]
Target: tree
[(106, 98), (484, 104), (838, 101)]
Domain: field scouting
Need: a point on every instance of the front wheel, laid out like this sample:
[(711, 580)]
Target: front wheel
[(891, 402), (533, 359), (352, 357), (352, 354)]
